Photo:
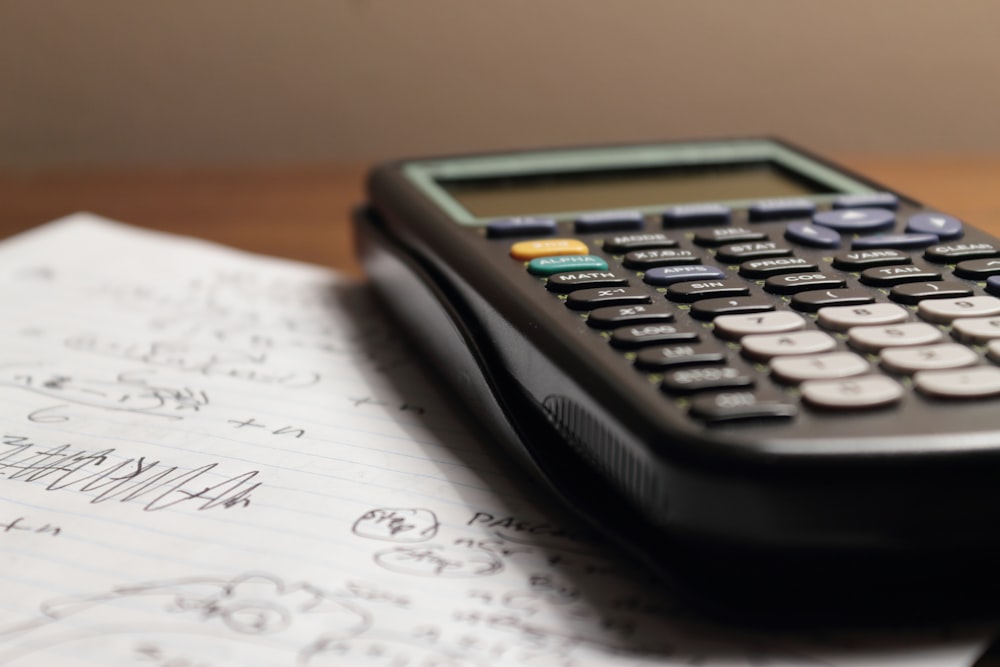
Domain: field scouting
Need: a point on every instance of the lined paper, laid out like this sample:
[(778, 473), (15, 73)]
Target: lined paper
[(212, 458)]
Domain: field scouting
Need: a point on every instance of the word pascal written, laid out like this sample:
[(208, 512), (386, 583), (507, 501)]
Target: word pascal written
[(107, 476)]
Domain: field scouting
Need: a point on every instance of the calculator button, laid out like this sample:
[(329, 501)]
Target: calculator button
[(911, 293), (865, 391), (867, 200), (734, 253), (909, 360), (704, 378), (841, 318), (610, 317), (600, 221), (809, 234), (737, 326), (508, 227), (546, 266), (648, 259), (588, 299), (976, 382), (886, 276), (993, 285), (695, 214), (976, 329), (993, 350), (858, 260), (668, 275), (739, 405), (943, 226), (650, 334), (766, 346), (627, 242), (875, 338), (673, 356), (574, 280), (812, 301), (764, 268), (978, 269), (948, 253), (790, 283), (708, 309), (525, 250), (723, 235), (898, 241), (830, 366), (781, 209), (946, 310), (856, 220), (706, 289)]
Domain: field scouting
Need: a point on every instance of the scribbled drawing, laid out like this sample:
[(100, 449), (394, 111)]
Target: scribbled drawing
[(253, 618), (126, 392), (435, 560), (397, 525), (210, 360)]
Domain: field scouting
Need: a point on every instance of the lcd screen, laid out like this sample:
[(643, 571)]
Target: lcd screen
[(540, 194)]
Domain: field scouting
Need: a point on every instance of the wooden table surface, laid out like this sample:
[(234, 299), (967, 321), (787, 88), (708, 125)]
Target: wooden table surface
[(302, 212)]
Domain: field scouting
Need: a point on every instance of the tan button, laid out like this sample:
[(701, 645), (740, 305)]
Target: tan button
[(526, 250)]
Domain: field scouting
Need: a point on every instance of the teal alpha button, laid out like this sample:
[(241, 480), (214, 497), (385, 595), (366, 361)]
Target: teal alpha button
[(546, 266)]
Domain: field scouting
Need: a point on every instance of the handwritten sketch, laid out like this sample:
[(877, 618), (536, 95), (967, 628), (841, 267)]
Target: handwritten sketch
[(252, 618), (397, 525)]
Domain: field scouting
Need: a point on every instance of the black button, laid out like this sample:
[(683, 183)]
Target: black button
[(911, 293), (617, 316), (648, 259), (703, 378), (709, 309), (948, 253), (857, 260), (723, 235), (791, 283), (568, 282), (810, 302), (735, 253), (739, 405), (705, 289), (672, 356), (587, 299), (867, 200), (977, 269), (781, 209), (885, 276), (627, 242), (649, 334), (696, 214), (765, 268)]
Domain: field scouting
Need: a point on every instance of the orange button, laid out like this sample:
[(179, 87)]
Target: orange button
[(548, 247)]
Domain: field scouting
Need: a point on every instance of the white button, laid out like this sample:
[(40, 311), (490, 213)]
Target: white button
[(841, 318), (928, 357), (977, 382), (946, 310), (866, 391), (765, 346), (737, 326), (832, 366), (993, 350), (976, 329), (908, 333)]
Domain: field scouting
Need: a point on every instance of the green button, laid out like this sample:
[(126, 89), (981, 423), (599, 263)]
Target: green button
[(546, 266)]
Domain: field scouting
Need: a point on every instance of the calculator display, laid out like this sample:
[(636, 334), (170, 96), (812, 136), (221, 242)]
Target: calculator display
[(545, 193)]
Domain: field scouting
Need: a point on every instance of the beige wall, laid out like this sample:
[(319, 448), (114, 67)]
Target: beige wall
[(223, 81)]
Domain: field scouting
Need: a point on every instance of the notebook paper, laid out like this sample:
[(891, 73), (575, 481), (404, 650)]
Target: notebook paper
[(212, 458)]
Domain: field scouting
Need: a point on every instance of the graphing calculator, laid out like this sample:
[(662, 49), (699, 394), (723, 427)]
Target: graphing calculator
[(730, 348)]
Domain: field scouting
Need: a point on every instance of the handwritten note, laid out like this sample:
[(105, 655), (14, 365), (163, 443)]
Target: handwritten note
[(209, 458)]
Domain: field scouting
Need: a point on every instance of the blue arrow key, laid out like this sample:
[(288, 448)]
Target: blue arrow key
[(856, 219), (812, 235), (944, 226)]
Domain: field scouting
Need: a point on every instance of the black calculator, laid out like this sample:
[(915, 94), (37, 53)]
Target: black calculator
[(731, 348)]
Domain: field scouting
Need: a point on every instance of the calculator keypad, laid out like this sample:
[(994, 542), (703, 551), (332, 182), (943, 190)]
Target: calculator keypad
[(745, 315)]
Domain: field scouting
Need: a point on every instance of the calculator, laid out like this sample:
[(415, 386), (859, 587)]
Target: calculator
[(734, 346)]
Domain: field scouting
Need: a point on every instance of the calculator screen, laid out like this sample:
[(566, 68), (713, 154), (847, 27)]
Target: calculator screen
[(535, 194)]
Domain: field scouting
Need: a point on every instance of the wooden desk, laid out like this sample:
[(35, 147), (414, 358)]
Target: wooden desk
[(302, 212)]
